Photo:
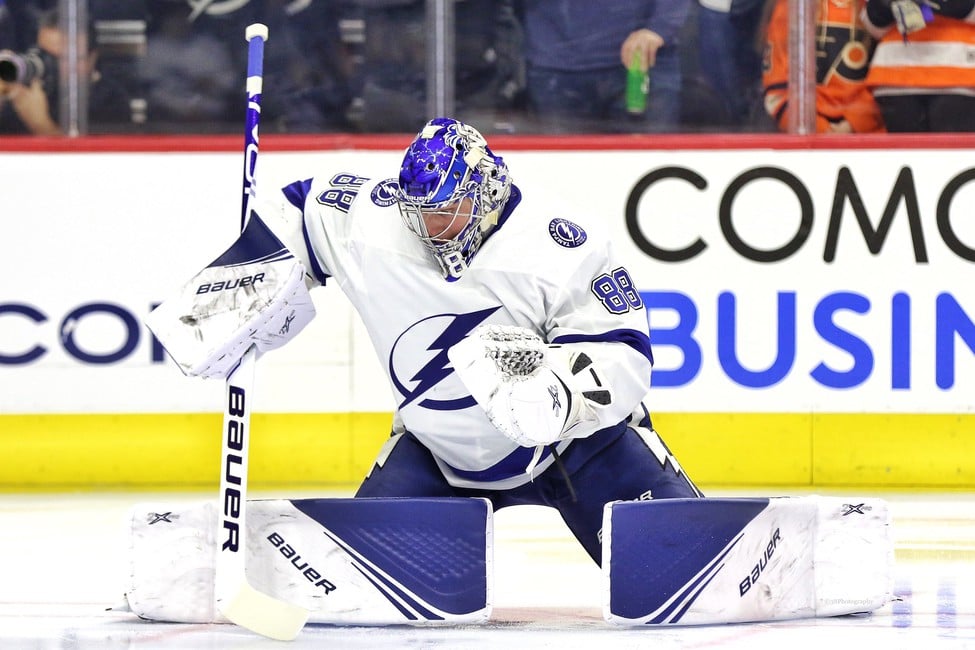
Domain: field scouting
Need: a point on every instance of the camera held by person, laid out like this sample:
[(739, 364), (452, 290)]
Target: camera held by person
[(29, 82), (23, 68)]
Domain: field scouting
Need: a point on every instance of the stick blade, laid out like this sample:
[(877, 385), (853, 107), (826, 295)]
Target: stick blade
[(258, 612)]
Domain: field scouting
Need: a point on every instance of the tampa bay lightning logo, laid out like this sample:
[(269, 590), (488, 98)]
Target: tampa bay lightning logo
[(566, 234), (384, 194), (418, 363)]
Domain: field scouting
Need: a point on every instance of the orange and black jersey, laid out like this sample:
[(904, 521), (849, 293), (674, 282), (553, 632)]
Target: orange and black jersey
[(843, 53), (938, 58)]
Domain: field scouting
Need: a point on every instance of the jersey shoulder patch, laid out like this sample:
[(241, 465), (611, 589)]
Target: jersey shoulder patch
[(384, 192), (567, 234)]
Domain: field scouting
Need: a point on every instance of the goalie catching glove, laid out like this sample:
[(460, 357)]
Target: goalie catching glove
[(534, 393), (252, 295)]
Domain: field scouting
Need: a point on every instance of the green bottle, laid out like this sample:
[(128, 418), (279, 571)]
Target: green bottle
[(637, 87)]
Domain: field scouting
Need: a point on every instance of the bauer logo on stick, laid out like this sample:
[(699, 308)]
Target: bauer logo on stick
[(232, 468)]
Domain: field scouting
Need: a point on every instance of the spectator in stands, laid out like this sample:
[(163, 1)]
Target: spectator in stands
[(118, 36), (31, 108), (578, 52), (730, 57), (922, 73), (26, 110), (487, 61), (197, 61), (34, 108), (188, 72), (312, 65), (844, 103)]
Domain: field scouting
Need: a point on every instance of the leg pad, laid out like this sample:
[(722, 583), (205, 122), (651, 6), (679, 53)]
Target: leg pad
[(349, 561), (729, 560)]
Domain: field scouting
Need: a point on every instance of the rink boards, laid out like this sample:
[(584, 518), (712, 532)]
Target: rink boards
[(810, 310), (167, 451)]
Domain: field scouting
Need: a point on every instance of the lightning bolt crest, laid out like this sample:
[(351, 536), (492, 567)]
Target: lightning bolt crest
[(438, 368)]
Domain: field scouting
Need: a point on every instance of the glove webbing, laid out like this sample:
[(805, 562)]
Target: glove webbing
[(516, 352)]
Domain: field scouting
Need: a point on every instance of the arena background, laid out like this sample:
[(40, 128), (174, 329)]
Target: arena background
[(810, 301)]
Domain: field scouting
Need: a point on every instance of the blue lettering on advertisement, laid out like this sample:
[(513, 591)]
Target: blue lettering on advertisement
[(954, 331), (952, 324), (68, 337)]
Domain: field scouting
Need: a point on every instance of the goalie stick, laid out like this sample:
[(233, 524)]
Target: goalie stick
[(236, 599)]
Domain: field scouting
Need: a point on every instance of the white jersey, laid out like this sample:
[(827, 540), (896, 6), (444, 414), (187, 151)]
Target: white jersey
[(536, 270)]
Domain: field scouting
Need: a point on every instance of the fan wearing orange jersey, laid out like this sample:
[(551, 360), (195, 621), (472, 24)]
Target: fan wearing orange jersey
[(844, 104), (923, 73)]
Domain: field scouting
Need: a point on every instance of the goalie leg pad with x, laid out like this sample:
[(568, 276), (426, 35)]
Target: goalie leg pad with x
[(341, 559), (731, 560)]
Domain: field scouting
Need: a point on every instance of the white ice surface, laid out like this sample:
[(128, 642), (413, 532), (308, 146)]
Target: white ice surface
[(62, 558)]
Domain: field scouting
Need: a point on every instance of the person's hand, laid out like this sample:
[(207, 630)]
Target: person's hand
[(643, 43), (840, 127), (909, 16), (8, 90), (32, 107)]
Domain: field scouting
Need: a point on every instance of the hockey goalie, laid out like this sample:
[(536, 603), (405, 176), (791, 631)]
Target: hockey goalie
[(517, 350)]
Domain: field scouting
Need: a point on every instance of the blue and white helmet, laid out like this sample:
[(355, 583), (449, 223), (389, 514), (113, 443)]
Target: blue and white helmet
[(447, 162)]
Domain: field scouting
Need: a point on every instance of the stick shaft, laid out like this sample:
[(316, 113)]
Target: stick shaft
[(236, 599), (239, 383), (256, 36)]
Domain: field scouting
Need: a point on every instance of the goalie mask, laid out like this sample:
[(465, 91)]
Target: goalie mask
[(451, 191)]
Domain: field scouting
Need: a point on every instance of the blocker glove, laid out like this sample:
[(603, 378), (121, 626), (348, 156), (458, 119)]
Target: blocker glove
[(242, 299)]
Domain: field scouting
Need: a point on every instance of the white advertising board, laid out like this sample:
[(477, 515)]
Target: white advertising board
[(776, 281)]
